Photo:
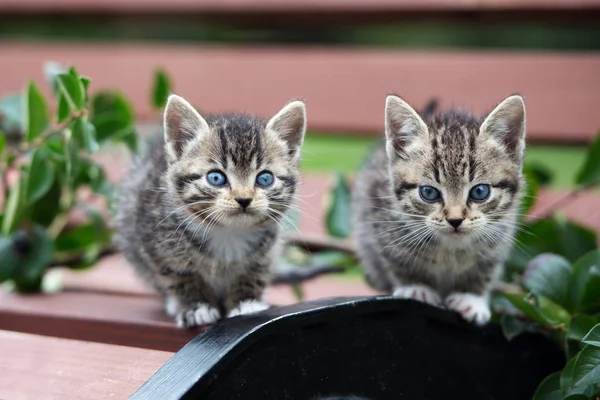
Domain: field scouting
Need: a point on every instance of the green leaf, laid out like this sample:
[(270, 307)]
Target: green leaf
[(45, 210), (584, 284), (549, 389), (338, 219), (160, 89), (73, 90), (512, 327), (546, 275), (2, 141), (36, 112), (543, 175), (84, 135), (576, 397), (539, 309), (41, 176), (531, 190), (552, 236), (81, 237), (34, 261), (14, 206), (62, 111), (566, 376), (112, 114), (590, 172), (593, 337), (8, 259), (581, 325), (586, 371), (85, 81)]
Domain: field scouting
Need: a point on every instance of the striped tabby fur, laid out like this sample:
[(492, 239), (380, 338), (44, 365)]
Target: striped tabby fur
[(409, 246), (195, 243)]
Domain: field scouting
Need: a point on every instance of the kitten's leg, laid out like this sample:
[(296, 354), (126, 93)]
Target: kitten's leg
[(246, 292), (471, 294), (189, 301)]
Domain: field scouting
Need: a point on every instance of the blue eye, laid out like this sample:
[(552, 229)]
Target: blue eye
[(265, 179), (216, 178), (480, 193), (429, 194)]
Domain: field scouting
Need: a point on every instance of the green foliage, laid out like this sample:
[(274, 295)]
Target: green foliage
[(338, 219), (564, 301), (590, 173), (160, 89), (45, 161)]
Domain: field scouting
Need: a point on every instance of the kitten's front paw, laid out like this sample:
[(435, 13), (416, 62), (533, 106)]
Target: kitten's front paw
[(197, 315), (472, 307), (247, 307), (418, 292)]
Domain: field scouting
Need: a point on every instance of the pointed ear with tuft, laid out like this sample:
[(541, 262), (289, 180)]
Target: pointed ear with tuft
[(181, 123), (290, 125), (402, 126), (506, 125)]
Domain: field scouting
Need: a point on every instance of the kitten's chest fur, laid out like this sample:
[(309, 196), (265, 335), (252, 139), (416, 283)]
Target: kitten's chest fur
[(228, 246)]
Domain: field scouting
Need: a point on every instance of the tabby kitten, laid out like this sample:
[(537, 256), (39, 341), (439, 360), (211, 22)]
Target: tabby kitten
[(435, 209), (199, 214)]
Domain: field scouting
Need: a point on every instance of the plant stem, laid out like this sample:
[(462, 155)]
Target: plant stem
[(26, 146), (549, 211)]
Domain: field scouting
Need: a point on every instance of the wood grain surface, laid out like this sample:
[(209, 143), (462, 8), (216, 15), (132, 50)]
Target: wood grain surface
[(344, 88), (42, 368)]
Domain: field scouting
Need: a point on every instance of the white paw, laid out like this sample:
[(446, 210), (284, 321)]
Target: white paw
[(418, 292), (471, 307), (247, 307), (198, 315), (171, 305)]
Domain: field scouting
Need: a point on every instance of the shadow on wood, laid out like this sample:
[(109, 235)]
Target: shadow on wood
[(375, 348)]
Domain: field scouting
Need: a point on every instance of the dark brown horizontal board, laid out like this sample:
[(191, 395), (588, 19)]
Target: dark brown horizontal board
[(136, 321), (43, 368), (345, 89), (315, 6)]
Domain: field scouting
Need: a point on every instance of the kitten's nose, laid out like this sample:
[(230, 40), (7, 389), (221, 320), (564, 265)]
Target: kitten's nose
[(455, 222), (243, 201)]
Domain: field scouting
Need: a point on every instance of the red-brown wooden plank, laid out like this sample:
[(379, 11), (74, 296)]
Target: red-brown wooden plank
[(43, 368), (344, 88)]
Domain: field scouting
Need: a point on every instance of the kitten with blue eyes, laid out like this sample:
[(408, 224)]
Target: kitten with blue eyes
[(199, 213), (435, 209)]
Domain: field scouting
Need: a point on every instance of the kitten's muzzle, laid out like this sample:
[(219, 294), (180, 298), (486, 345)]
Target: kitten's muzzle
[(244, 202)]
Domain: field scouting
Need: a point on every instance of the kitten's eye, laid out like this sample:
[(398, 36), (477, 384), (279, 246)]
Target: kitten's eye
[(216, 178), (429, 194), (480, 193), (265, 179)]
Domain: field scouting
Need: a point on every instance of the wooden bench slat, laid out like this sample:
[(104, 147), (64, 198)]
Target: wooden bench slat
[(136, 321), (37, 367), (270, 6), (344, 88)]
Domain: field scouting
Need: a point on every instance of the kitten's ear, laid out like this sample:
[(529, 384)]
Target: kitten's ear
[(182, 123), (402, 126), (290, 124), (506, 125)]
